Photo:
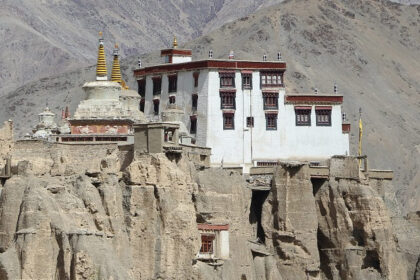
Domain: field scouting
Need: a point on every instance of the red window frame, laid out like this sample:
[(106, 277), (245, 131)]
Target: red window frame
[(271, 121), (271, 79), (227, 99), (323, 117), (228, 121), (207, 244), (227, 79), (303, 117), (271, 100), (172, 83), (246, 81)]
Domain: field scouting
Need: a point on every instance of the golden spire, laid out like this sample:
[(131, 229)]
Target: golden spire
[(175, 43), (101, 72), (116, 71)]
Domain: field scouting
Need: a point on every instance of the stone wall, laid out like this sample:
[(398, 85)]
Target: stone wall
[(39, 157)]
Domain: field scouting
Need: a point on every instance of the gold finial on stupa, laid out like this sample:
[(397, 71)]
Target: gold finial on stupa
[(116, 70), (101, 72), (175, 43)]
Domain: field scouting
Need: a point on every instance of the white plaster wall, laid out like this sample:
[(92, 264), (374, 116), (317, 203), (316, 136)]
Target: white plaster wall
[(227, 145), (243, 146), (224, 244), (180, 59)]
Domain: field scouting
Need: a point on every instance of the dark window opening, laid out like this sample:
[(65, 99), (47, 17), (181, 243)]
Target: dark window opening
[(157, 86), (172, 83), (142, 102), (172, 99), (303, 117), (250, 122), (156, 107), (141, 87), (196, 74), (271, 79), (194, 101), (247, 81), (323, 117), (257, 201), (371, 260), (271, 100), (193, 128), (206, 244), (271, 121), (227, 100), (227, 80), (228, 121)]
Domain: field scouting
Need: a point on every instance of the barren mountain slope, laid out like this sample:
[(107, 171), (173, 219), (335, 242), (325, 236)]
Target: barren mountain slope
[(369, 48), (41, 38)]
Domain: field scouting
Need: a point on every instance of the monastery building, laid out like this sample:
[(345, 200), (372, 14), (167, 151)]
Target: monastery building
[(240, 109)]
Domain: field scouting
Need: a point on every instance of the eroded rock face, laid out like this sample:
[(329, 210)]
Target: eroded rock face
[(99, 224)]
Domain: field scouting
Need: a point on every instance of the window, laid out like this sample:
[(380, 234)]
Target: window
[(141, 84), (228, 121), (303, 116), (157, 85), (227, 100), (172, 81), (142, 105), (207, 244), (270, 100), (194, 101), (247, 81), (195, 75), (172, 99), (250, 122), (193, 127), (271, 79), (271, 121), (227, 79), (156, 107), (323, 117)]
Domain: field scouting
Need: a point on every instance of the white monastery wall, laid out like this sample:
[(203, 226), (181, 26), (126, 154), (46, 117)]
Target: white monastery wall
[(243, 145), (227, 145)]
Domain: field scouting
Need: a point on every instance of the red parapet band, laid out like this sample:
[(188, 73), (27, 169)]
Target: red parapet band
[(212, 227)]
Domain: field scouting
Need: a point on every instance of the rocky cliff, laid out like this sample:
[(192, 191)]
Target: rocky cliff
[(103, 212)]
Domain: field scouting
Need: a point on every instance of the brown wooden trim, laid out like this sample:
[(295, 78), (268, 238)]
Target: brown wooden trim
[(175, 52), (203, 64), (345, 127), (303, 108), (212, 227), (313, 99), (323, 107)]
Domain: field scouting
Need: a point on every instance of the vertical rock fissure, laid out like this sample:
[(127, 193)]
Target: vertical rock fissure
[(257, 201)]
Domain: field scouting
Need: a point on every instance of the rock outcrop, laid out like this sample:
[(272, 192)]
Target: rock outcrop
[(99, 214)]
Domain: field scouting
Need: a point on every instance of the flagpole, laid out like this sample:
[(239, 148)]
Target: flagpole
[(360, 136)]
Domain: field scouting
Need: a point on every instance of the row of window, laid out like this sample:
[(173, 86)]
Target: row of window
[(157, 84), (303, 117), (227, 80), (172, 99), (323, 118)]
